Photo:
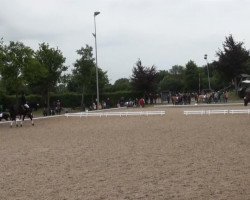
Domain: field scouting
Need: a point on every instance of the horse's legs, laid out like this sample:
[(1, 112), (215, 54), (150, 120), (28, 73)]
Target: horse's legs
[(31, 118), (12, 123), (28, 115), (21, 120), (12, 120)]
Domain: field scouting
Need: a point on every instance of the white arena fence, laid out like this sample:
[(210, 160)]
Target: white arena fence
[(96, 114), (210, 112), (106, 114), (239, 111), (35, 118)]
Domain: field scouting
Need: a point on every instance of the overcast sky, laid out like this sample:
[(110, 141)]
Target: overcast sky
[(159, 32)]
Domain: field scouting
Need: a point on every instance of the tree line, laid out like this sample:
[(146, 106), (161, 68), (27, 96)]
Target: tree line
[(43, 72)]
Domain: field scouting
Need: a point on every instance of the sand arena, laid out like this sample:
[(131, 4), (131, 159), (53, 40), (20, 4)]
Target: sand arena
[(137, 157)]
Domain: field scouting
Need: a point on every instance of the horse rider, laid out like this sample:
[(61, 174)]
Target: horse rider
[(23, 102)]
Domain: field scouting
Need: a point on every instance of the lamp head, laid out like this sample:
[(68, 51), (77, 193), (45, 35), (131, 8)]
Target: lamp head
[(96, 13)]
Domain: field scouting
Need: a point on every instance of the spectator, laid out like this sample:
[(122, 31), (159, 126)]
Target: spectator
[(226, 96), (142, 102)]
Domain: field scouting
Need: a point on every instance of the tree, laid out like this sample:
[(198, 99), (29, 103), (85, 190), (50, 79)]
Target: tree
[(248, 66), (83, 69), (62, 86), (14, 57), (177, 70), (2, 53), (191, 76), (144, 78), (160, 76), (170, 83), (34, 73), (102, 81), (122, 84), (173, 80), (1, 63), (84, 74), (51, 61), (232, 59)]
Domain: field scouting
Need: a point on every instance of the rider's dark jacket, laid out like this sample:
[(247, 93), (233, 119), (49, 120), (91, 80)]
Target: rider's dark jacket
[(22, 100)]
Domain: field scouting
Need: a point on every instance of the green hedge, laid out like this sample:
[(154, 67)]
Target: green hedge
[(72, 100), (6, 101), (115, 97)]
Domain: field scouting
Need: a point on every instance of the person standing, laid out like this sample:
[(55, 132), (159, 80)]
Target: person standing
[(142, 102), (226, 96)]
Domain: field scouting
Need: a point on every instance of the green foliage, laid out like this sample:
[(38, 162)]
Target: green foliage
[(191, 77), (173, 80), (122, 84), (115, 97), (50, 62), (71, 100), (177, 70), (40, 74), (232, 96), (144, 78), (103, 80), (2, 100), (7, 100), (247, 66), (35, 75), (170, 83), (84, 68), (83, 79), (35, 98), (161, 74), (232, 59), (15, 57)]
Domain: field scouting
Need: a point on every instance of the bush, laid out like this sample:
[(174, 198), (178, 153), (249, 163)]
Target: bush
[(115, 97), (72, 100)]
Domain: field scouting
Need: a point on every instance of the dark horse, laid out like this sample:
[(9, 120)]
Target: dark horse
[(22, 112)]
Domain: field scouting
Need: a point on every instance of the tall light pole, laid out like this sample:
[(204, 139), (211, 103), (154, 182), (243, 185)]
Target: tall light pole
[(96, 63), (209, 86)]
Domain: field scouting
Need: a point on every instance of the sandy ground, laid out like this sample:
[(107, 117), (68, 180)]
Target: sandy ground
[(156, 157)]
